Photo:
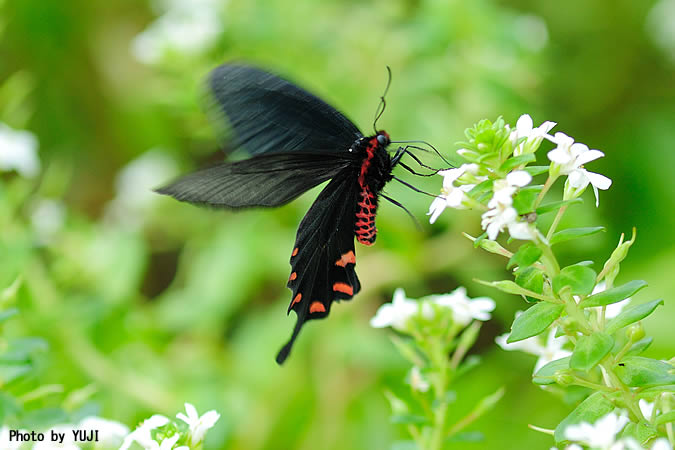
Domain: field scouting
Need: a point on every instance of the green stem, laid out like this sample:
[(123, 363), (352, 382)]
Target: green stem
[(440, 412), (549, 182), (555, 223)]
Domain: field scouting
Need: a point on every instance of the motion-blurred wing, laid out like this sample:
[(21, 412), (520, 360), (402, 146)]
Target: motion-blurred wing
[(264, 180), (269, 114), (323, 259)]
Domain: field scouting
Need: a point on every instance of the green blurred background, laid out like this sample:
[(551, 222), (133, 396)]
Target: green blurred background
[(154, 303)]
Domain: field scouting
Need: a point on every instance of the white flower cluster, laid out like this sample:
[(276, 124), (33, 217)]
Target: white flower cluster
[(567, 158), (464, 309), (602, 435), (18, 151)]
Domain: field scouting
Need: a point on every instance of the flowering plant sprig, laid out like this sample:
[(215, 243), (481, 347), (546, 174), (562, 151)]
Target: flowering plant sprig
[(436, 333), (592, 342)]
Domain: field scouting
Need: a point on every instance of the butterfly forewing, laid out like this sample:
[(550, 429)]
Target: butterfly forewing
[(270, 114), (264, 180), (323, 259)]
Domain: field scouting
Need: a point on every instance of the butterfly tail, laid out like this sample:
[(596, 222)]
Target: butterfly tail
[(286, 349)]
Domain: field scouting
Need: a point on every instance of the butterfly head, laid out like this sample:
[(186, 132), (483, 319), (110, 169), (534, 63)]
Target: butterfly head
[(383, 138)]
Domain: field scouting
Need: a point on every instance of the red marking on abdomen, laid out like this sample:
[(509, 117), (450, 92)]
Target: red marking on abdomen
[(364, 227), (295, 251), (293, 276), (296, 299), (316, 307), (347, 258), (344, 288)]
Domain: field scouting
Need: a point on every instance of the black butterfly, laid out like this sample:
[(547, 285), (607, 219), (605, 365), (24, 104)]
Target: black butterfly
[(298, 141)]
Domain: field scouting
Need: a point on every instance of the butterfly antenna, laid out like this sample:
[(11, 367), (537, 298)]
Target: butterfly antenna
[(414, 219), (414, 188), (409, 169), (419, 148), (383, 103)]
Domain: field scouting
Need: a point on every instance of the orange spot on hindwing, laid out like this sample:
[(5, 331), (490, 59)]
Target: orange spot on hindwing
[(347, 258), (316, 307), (295, 251), (293, 276), (296, 299), (344, 288)]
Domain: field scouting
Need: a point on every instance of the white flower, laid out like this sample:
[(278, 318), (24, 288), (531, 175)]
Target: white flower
[(570, 157), (551, 351), (417, 381), (186, 27), (647, 408), (110, 433), (661, 444), (68, 439), (167, 444), (5, 443), (198, 425), (142, 435), (18, 151), (397, 313), (134, 185), (464, 309), (454, 196), (47, 218), (601, 434), (524, 129), (501, 214)]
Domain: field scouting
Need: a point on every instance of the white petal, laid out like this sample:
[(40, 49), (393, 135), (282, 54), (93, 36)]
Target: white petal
[(559, 156), (518, 178), (578, 179), (545, 127), (578, 149), (455, 198), (599, 181), (524, 125), (561, 139), (588, 156), (521, 230), (436, 208)]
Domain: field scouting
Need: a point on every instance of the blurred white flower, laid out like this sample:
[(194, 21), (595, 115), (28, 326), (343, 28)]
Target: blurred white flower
[(647, 408), (612, 310), (198, 425), (5, 443), (68, 439), (570, 158), (186, 27), (111, 434), (660, 26), (134, 185), (167, 444), (465, 309), (18, 151), (601, 434), (525, 129), (397, 313), (47, 218), (550, 351), (417, 381), (661, 444), (454, 196), (142, 435)]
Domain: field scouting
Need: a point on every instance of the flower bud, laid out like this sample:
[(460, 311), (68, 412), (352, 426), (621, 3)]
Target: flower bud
[(563, 377), (635, 332)]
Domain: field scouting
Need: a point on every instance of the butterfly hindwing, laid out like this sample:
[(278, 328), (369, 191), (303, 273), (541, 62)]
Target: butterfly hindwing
[(323, 259), (264, 180), (270, 114)]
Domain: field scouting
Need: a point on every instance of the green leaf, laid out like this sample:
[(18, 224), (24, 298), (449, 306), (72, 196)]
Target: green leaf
[(516, 161), (408, 419), (640, 346), (466, 436), (579, 278), (590, 350), (555, 206), (574, 233), (531, 279), (638, 371), (481, 187), (665, 418), (524, 200), (590, 410), (534, 320), (9, 373), (632, 315), (536, 170), (526, 255), (616, 294), (546, 373), (642, 432)]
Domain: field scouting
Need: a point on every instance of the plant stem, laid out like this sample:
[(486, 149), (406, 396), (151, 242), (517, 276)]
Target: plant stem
[(555, 223)]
